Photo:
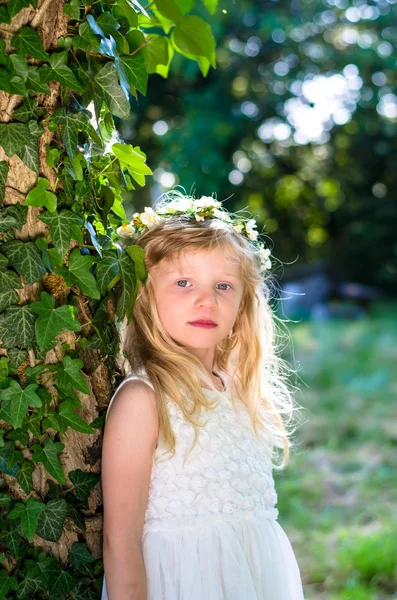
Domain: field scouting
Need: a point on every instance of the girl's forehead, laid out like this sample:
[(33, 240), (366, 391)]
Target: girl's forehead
[(192, 259)]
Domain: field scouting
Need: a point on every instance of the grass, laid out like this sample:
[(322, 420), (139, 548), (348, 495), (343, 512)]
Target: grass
[(338, 496)]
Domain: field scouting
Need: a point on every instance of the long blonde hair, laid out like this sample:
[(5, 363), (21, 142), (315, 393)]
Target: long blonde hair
[(250, 355)]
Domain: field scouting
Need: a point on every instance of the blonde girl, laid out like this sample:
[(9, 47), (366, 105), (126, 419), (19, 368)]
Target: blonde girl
[(197, 425)]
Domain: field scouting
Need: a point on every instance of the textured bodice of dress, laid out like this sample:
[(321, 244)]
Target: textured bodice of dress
[(227, 471)]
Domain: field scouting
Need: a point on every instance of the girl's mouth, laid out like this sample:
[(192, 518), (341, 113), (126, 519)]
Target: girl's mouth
[(204, 324)]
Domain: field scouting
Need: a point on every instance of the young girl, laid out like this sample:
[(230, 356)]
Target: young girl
[(189, 498)]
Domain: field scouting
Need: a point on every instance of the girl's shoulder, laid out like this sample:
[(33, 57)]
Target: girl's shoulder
[(138, 374), (141, 374)]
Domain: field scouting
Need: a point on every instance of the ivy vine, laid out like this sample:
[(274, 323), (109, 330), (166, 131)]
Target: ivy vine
[(83, 283)]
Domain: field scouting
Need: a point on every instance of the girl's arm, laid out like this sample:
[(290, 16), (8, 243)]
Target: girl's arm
[(130, 439)]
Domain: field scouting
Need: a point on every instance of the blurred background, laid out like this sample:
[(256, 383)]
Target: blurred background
[(298, 125)]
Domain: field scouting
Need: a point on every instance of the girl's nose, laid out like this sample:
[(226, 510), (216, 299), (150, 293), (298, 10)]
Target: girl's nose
[(207, 299)]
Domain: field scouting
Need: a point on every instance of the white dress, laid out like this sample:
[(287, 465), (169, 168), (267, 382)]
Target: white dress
[(211, 530)]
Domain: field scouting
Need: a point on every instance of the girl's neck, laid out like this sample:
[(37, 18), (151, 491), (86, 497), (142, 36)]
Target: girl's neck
[(218, 381)]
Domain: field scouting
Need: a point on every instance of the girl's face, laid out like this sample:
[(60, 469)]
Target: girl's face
[(201, 285)]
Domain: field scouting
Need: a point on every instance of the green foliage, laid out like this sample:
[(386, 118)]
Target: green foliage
[(100, 67), (39, 196), (240, 132), (52, 320), (338, 494)]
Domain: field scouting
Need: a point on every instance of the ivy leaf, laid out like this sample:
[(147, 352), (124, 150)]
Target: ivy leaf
[(52, 320), (136, 253), (32, 582), (71, 377), (51, 520), (24, 477), (125, 302), (193, 36), (28, 42), (157, 52), (17, 357), (8, 298), (133, 159), (60, 72), (79, 267), (72, 9), (38, 196), (66, 417), (20, 436), (17, 212), (107, 272), (69, 137), (6, 221), (34, 81), (15, 6), (48, 455), (19, 66), (61, 228), (83, 483), (133, 70), (55, 578), (5, 83), (3, 179), (80, 555), (110, 92), (32, 423), (4, 456), (28, 514), (17, 326), (15, 402), (67, 78), (14, 456), (170, 10), (82, 123), (25, 111), (123, 10), (164, 69), (13, 136), (4, 15), (26, 259), (17, 85), (5, 499), (29, 154), (211, 5), (11, 541)]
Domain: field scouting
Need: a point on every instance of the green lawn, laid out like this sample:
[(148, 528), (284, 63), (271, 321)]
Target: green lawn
[(338, 495)]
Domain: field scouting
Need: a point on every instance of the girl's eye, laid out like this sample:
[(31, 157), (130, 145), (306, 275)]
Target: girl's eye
[(185, 280)]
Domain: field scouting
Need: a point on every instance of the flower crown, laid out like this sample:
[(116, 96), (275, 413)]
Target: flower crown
[(199, 210)]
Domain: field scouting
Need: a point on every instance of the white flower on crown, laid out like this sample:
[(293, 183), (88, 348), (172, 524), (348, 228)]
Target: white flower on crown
[(126, 231), (266, 265), (264, 254), (149, 217), (238, 228), (206, 202), (221, 214), (250, 229), (198, 217), (178, 205)]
